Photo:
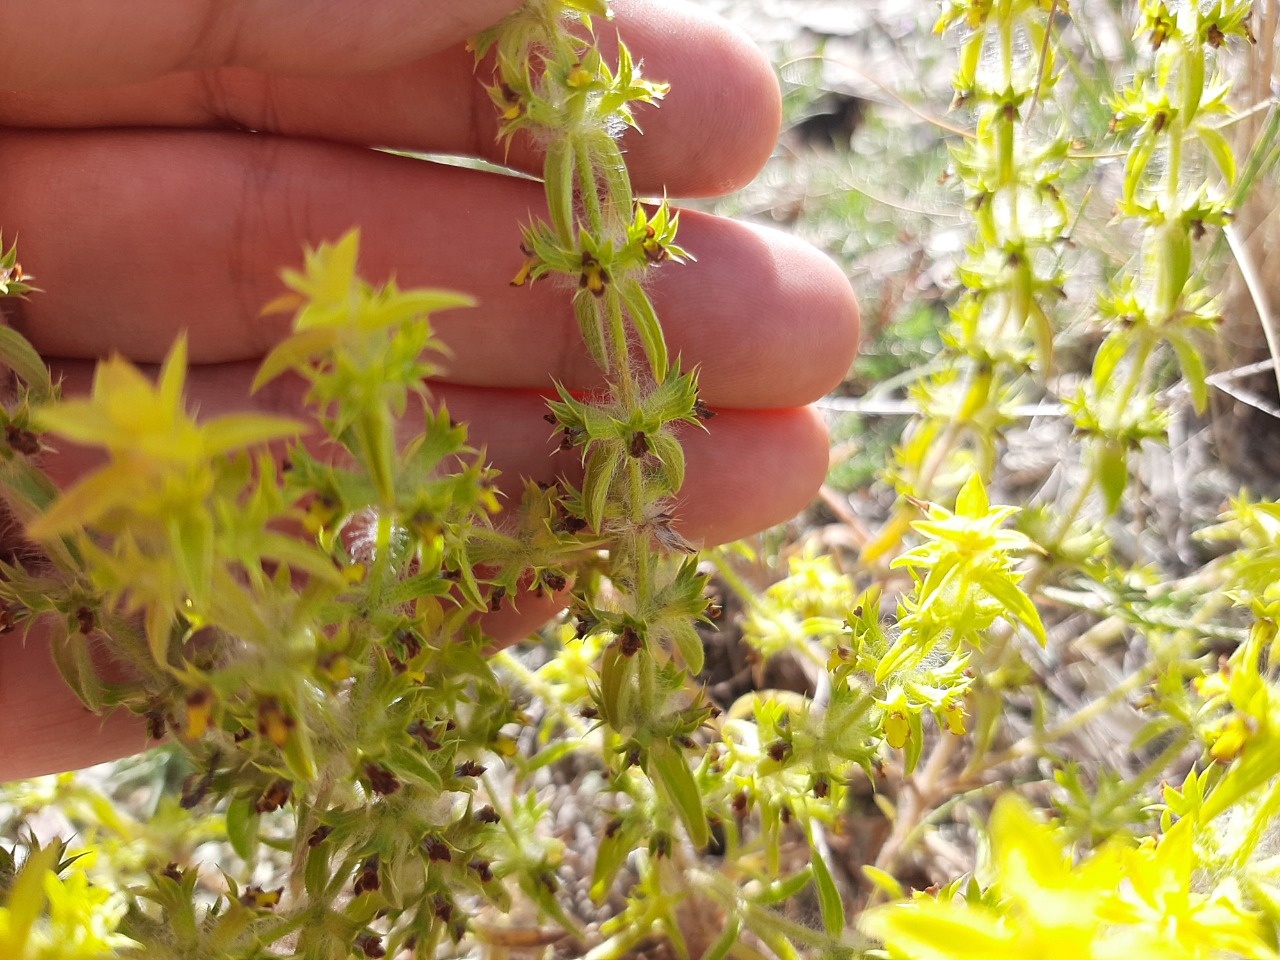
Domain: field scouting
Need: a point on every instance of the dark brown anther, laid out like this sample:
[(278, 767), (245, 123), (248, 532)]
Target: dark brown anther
[(612, 827), (453, 576), (156, 726), (241, 735), (496, 596), (629, 642), (686, 742), (174, 873), (381, 780), (633, 758), (741, 803), (367, 880), (1158, 121), (370, 945), (23, 441), (569, 439), (86, 621), (779, 750), (437, 850), (573, 524), (821, 786), (483, 870), (589, 713), (286, 465), (702, 411), (7, 620), (422, 732), (553, 581), (443, 909), (660, 845), (195, 789), (275, 797), (486, 814), (552, 419), (318, 836), (410, 644), (1197, 229), (785, 814), (469, 769), (639, 446)]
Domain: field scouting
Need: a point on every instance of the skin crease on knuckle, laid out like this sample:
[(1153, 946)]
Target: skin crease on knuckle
[(782, 348)]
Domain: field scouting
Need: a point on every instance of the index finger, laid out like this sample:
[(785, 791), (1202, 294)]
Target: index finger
[(710, 136), (62, 43)]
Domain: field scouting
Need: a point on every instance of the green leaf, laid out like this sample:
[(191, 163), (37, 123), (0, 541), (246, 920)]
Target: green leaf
[(829, 901), (70, 652), (671, 455), (1016, 603), (602, 465), (591, 325), (558, 171), (611, 856), (1221, 150), (726, 941), (1111, 470), (885, 882), (242, 828), (689, 645), (1193, 371), (783, 890), (671, 768), (22, 358), (1109, 356), (645, 321)]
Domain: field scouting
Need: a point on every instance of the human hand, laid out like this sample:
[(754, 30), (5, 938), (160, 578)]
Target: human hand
[(145, 207)]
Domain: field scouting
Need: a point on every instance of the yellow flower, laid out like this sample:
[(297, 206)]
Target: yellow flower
[(159, 454), (1118, 903)]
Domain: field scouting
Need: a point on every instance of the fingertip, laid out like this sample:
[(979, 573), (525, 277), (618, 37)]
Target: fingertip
[(719, 122), (751, 471), (776, 320)]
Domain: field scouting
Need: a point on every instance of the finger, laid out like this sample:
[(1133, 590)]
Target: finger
[(67, 42), (43, 727), (711, 134), (744, 472), (137, 236)]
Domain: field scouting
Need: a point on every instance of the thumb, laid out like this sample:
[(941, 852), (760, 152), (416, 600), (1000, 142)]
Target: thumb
[(63, 43)]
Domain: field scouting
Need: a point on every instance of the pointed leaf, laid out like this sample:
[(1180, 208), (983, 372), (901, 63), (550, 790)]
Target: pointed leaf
[(671, 770), (1220, 148), (829, 900), (646, 324), (242, 828), (18, 354)]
